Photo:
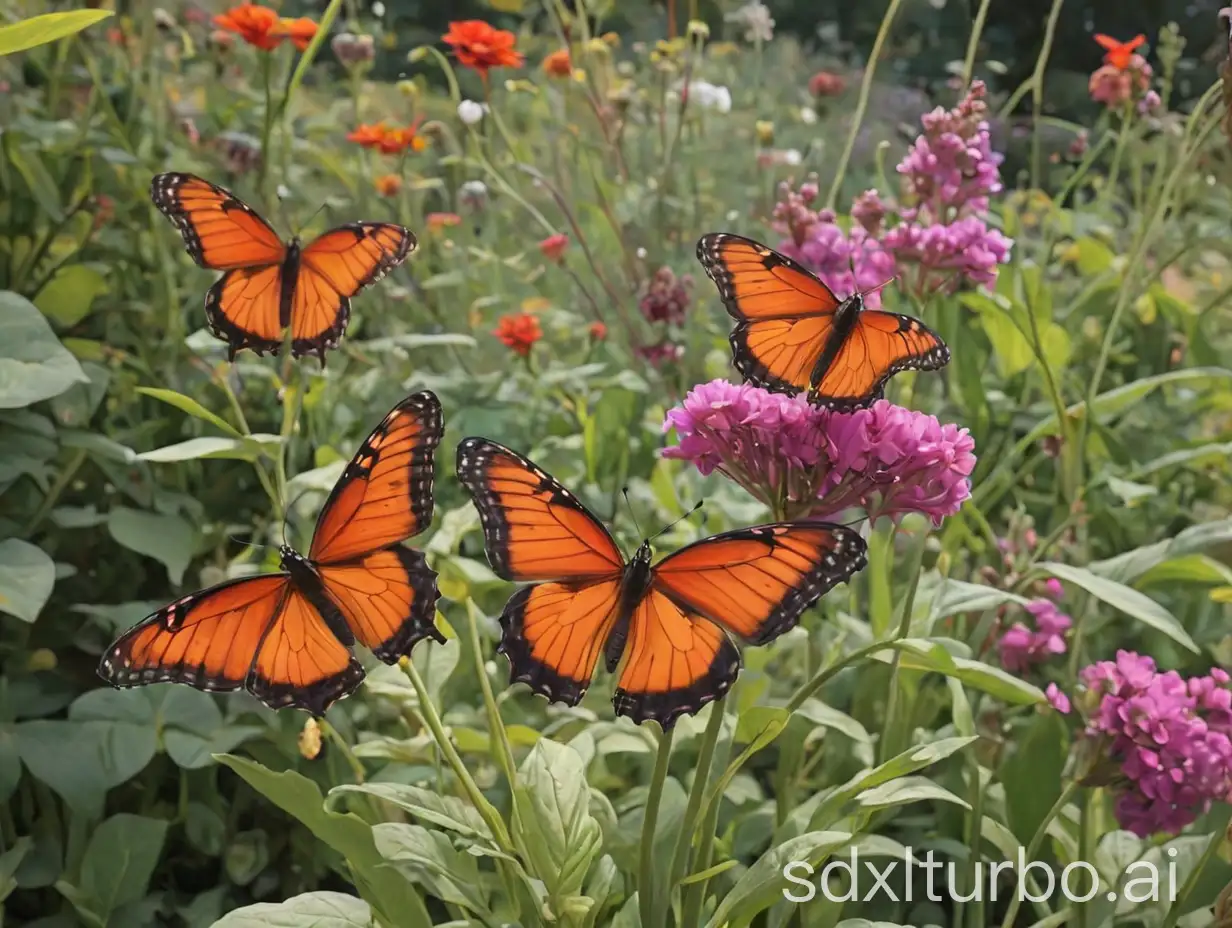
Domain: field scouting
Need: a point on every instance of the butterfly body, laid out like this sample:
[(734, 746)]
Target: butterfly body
[(285, 637), (269, 286), (793, 335), (663, 627)]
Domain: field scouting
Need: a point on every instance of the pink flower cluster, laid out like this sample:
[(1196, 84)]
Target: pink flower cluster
[(935, 238), (804, 461), (1172, 738), (1021, 647)]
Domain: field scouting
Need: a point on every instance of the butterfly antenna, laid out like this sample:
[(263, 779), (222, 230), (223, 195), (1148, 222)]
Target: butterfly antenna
[(246, 544), (880, 286), (671, 525), (624, 491)]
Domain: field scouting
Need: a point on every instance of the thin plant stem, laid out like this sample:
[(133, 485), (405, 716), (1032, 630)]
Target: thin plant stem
[(890, 739), (1037, 839), (826, 674), (866, 86), (973, 43), (1037, 89), (502, 749), (695, 893), (357, 769), (646, 864), (701, 779)]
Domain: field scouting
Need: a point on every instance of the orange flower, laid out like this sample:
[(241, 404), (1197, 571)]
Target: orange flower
[(558, 64), (519, 332), (553, 247), (256, 25), (477, 45), (598, 331), (438, 221), (1119, 54), (389, 141), (299, 31), (388, 185)]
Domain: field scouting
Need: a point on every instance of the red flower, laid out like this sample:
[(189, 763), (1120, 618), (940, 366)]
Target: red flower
[(477, 45), (558, 64), (553, 247), (438, 221), (388, 185), (300, 31), (1119, 54), (598, 331), (519, 332), (256, 25), (826, 84)]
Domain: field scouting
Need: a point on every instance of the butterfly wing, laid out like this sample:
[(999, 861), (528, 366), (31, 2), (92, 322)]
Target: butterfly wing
[(757, 582), (243, 308), (386, 593), (257, 633), (675, 662), (535, 529), (220, 231), (784, 314), (880, 345), (332, 269)]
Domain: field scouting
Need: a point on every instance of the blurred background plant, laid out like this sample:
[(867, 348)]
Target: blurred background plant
[(557, 180)]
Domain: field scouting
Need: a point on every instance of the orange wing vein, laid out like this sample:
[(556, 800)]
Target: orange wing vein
[(757, 582), (385, 493), (255, 633), (534, 529), (675, 662), (553, 634), (220, 231), (332, 269)]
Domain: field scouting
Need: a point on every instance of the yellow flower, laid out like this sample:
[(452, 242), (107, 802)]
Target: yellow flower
[(310, 740), (765, 132)]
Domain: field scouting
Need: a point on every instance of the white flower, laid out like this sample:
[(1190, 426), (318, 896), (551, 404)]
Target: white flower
[(791, 156), (808, 115), (708, 96), (283, 192), (641, 254), (471, 112), (378, 9), (756, 19)]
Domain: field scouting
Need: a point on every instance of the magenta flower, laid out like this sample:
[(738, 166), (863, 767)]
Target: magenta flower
[(945, 254), (1171, 737), (666, 297), (1053, 589), (1057, 699), (845, 261), (804, 461), (1020, 647)]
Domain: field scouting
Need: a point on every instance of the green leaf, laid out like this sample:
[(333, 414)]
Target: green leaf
[(443, 811), (954, 597), (420, 340), (10, 860), (80, 761), (429, 858), (192, 407), (1032, 773), (168, 539), (926, 654), (212, 447), (1010, 347), (1129, 566), (39, 30), (1189, 568), (906, 790), (193, 728), (68, 296), (554, 831), (119, 862), (762, 884), (34, 366), (310, 910), (27, 576), (395, 900), (1124, 598)]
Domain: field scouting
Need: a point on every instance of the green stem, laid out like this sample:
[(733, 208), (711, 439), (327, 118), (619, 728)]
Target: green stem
[(977, 29), (345, 749), (890, 741), (695, 893), (267, 69), (866, 87), (500, 738), (55, 491), (488, 811), (646, 864), (1177, 909), (1033, 846), (822, 677), (1037, 90), (701, 779)]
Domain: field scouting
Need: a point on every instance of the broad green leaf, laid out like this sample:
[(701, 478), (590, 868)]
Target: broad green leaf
[(1032, 773), (34, 366), (321, 909), (553, 829), (1200, 456), (762, 884), (1129, 566), (39, 30), (82, 760), (27, 576), (119, 862), (905, 790), (1010, 347), (909, 761), (954, 597), (168, 539), (427, 805), (193, 727), (1189, 568), (927, 654), (213, 447), (396, 902), (192, 407), (1124, 598), (69, 295), (429, 858)]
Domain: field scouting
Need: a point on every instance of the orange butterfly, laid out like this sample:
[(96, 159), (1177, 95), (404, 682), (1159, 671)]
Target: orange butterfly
[(285, 637), (668, 621), (268, 285), (1119, 54), (793, 334)]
